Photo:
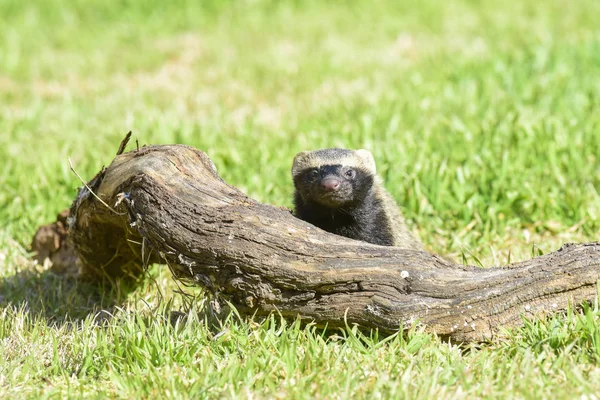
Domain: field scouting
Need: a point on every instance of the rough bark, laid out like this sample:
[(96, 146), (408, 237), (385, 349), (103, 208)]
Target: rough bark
[(167, 204)]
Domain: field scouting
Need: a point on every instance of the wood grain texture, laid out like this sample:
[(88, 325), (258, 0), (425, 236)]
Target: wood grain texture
[(171, 207)]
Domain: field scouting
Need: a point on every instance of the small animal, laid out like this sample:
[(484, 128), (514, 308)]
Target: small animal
[(339, 191)]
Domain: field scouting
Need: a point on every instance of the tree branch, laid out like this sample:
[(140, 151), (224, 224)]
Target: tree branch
[(170, 200)]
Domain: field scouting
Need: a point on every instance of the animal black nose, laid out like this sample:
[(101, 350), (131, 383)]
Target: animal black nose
[(330, 184)]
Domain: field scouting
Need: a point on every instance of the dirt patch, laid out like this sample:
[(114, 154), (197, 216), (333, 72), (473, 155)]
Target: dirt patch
[(51, 243), (8, 85), (182, 53)]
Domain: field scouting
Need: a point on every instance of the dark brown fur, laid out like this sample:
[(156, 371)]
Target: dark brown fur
[(339, 191)]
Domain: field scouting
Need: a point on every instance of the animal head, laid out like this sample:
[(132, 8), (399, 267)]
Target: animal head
[(334, 177)]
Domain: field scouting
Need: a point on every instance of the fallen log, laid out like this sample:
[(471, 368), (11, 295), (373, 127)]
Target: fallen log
[(167, 204)]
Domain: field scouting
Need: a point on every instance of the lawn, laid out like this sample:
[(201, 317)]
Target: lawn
[(484, 120)]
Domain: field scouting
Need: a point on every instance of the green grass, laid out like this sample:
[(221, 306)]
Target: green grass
[(483, 117)]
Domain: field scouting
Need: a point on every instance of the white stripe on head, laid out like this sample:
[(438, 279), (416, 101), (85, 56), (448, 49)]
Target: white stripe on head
[(362, 159)]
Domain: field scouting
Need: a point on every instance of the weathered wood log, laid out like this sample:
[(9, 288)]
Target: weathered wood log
[(167, 204)]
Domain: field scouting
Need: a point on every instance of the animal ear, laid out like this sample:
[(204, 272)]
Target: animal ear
[(299, 161), (300, 157), (367, 158)]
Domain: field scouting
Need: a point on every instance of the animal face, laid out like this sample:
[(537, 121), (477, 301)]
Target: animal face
[(333, 185)]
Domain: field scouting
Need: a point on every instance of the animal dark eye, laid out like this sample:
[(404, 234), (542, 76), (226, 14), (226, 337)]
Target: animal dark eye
[(314, 174), (350, 174)]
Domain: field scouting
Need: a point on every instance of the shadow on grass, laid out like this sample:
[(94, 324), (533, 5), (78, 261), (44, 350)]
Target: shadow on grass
[(59, 298)]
